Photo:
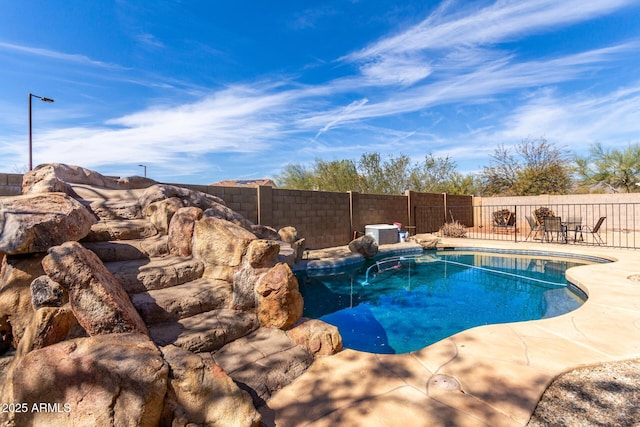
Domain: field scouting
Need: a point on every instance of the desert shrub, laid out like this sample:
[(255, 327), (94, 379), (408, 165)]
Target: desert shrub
[(453, 229), (541, 213)]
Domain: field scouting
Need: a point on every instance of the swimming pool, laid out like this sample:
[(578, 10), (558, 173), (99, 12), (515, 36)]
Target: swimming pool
[(404, 303)]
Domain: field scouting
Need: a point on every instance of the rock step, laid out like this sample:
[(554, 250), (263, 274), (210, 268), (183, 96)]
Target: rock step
[(207, 331), (141, 275), (124, 250), (116, 209), (132, 229), (263, 362), (183, 301)]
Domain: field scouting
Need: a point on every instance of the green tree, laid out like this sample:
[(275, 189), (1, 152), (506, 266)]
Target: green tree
[(296, 176), (433, 175), (537, 167), (617, 170), (336, 175), (372, 174), (461, 184)]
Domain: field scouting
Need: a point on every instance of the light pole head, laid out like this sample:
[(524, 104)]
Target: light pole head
[(47, 99)]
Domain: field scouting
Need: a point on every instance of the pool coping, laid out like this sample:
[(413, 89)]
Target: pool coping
[(489, 375)]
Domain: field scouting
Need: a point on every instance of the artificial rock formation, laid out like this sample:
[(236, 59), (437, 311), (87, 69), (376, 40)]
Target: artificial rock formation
[(16, 274), (161, 212), (34, 223), (133, 265), (280, 303), (57, 177), (181, 230), (97, 299), (201, 393), (364, 245), (320, 338), (48, 326), (220, 242), (114, 379)]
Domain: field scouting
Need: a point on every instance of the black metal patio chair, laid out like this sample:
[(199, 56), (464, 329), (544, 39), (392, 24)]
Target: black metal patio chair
[(553, 225)]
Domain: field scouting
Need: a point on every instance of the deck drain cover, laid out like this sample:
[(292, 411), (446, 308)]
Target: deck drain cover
[(444, 382)]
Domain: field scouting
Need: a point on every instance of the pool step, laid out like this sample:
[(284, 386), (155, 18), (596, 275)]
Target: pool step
[(116, 209), (141, 275), (206, 331), (124, 250), (182, 301), (108, 230), (263, 361)]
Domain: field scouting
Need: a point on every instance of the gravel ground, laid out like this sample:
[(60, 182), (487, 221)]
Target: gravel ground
[(603, 395)]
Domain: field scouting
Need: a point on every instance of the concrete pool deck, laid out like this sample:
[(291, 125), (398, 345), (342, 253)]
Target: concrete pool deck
[(486, 376)]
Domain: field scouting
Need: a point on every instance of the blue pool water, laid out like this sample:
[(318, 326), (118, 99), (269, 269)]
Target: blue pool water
[(401, 304)]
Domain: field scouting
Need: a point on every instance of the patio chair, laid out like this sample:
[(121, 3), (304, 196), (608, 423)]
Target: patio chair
[(553, 225), (574, 224), (595, 230), (535, 227)]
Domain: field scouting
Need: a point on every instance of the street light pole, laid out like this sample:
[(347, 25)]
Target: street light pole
[(45, 99), (145, 170)]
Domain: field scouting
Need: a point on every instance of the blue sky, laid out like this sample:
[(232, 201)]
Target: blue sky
[(201, 91)]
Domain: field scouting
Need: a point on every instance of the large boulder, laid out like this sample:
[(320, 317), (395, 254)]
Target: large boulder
[(365, 245), (244, 288), (220, 242), (262, 253), (110, 380), (320, 338), (280, 303), (16, 274), (265, 232), (36, 222), (181, 229), (97, 299), (201, 393), (56, 177), (160, 213), (218, 210), (288, 234), (48, 326), (189, 197)]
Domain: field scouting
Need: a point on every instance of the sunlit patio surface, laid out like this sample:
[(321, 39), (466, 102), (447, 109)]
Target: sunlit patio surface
[(487, 376)]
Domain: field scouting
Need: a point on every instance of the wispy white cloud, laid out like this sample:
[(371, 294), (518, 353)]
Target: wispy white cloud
[(504, 20), (237, 120), (149, 41), (57, 55)]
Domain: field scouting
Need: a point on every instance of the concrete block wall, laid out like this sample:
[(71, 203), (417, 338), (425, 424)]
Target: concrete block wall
[(426, 210), (322, 218), (10, 184), (378, 209)]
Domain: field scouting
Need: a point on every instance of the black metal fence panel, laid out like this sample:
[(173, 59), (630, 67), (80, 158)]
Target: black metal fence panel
[(603, 224)]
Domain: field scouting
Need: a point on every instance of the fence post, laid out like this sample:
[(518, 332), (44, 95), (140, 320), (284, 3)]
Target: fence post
[(515, 224)]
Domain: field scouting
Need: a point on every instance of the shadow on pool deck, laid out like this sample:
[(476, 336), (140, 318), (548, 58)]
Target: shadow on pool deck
[(491, 375)]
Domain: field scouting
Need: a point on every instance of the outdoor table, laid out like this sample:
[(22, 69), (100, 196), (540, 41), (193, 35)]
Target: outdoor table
[(576, 228)]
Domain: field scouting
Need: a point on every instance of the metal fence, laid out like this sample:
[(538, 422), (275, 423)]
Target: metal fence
[(605, 224)]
